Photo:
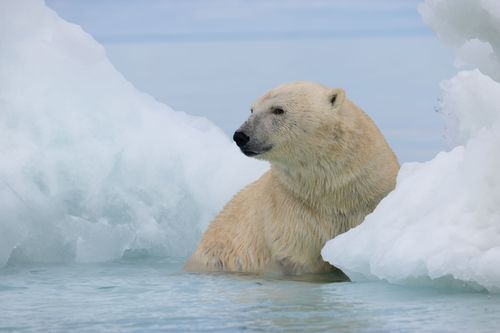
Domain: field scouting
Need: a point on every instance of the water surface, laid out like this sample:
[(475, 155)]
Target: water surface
[(155, 295)]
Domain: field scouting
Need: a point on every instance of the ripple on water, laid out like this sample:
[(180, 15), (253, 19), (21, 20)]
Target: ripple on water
[(155, 295)]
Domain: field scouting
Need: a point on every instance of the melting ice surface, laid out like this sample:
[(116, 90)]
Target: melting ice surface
[(443, 218), (100, 186)]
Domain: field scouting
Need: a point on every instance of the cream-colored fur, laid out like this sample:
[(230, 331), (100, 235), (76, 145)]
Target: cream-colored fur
[(330, 167)]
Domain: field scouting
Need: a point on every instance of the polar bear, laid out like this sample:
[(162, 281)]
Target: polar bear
[(330, 167)]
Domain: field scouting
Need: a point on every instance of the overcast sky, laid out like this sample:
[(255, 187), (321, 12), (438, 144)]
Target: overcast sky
[(213, 58)]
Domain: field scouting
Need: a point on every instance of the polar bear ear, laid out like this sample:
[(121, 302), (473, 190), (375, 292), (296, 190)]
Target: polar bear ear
[(337, 97)]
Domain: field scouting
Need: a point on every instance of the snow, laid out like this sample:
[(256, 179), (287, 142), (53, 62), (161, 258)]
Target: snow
[(443, 219), (93, 169)]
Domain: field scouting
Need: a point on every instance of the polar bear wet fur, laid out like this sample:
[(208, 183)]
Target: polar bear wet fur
[(330, 167)]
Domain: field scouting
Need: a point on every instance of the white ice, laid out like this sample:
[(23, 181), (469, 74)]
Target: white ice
[(443, 219), (92, 169)]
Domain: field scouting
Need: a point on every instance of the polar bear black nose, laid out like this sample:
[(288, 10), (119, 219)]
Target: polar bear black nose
[(240, 138)]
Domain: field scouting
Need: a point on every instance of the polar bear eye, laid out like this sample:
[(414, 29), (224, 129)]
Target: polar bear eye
[(278, 111)]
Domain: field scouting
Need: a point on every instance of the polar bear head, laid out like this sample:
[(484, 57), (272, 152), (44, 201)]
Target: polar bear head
[(294, 118)]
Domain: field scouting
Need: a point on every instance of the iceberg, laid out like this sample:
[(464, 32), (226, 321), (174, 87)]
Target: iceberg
[(442, 221), (92, 169)]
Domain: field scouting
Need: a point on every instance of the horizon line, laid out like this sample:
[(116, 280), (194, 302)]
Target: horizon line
[(250, 36)]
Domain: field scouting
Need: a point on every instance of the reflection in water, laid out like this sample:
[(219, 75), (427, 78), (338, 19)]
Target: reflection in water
[(155, 295)]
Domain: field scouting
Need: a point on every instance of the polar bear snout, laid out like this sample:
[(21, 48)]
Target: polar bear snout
[(240, 138), (248, 146)]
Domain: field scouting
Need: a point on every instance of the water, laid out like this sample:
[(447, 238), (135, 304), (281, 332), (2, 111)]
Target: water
[(153, 295)]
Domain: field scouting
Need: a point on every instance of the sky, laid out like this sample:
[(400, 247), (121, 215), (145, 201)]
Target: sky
[(214, 58)]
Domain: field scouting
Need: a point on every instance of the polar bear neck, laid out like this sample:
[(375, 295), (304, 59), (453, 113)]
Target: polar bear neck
[(331, 186)]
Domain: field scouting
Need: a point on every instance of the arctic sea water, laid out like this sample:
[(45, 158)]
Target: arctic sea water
[(104, 191), (154, 295)]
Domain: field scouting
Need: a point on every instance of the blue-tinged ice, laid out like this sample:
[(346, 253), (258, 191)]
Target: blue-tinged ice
[(90, 167)]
